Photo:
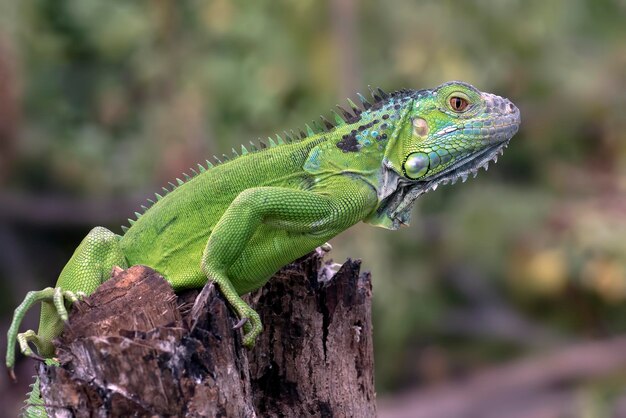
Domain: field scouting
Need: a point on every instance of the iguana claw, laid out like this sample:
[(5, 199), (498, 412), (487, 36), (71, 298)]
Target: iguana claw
[(251, 325), (241, 323), (11, 373)]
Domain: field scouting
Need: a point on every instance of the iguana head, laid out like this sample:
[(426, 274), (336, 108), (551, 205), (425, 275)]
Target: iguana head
[(450, 132), (441, 135)]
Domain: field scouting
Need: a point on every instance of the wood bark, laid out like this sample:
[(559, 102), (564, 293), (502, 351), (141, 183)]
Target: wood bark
[(134, 348)]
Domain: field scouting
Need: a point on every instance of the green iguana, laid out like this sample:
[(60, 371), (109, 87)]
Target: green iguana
[(238, 222)]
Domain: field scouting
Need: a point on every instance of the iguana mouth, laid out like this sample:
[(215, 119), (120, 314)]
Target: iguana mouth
[(469, 165), (399, 203)]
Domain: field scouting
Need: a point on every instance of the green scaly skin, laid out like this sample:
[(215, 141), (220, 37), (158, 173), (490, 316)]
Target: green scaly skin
[(239, 222)]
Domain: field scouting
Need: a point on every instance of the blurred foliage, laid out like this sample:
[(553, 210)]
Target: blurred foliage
[(119, 97)]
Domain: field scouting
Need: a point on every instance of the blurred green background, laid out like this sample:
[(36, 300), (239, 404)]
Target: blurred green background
[(103, 102)]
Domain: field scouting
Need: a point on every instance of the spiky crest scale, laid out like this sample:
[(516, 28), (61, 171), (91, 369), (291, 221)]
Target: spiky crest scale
[(327, 124), (318, 128), (357, 110), (366, 104), (338, 119), (378, 95)]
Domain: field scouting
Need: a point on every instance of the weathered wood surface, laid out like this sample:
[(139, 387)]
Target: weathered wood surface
[(136, 348)]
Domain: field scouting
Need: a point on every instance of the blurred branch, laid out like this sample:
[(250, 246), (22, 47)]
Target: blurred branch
[(56, 210), (15, 263), (540, 386), (490, 315)]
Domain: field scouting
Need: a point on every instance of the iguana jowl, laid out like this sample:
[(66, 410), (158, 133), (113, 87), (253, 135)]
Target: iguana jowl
[(237, 223)]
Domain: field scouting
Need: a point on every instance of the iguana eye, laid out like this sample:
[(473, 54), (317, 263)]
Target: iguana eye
[(458, 104)]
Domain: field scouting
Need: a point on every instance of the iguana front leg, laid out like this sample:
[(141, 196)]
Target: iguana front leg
[(90, 265), (310, 218)]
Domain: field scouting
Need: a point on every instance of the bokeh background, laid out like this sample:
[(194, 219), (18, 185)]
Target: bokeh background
[(507, 295)]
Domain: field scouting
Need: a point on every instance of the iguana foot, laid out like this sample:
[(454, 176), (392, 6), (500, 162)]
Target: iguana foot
[(248, 318), (251, 322), (30, 336), (60, 299)]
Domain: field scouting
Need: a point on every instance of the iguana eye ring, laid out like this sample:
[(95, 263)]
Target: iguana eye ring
[(458, 104)]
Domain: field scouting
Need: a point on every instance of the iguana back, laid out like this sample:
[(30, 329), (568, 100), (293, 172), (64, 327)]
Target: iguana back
[(171, 235)]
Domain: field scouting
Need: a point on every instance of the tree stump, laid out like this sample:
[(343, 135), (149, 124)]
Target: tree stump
[(134, 348)]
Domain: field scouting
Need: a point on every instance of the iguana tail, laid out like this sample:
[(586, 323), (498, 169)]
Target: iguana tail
[(34, 403)]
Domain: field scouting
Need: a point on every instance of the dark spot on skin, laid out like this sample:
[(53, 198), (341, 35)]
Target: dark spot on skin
[(384, 136), (397, 107), (349, 144), (385, 116), (364, 127), (384, 126)]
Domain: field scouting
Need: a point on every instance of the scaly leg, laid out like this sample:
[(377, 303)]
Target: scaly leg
[(322, 214), (90, 265)]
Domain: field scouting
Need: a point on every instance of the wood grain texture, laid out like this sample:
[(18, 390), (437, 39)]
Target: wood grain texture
[(136, 348)]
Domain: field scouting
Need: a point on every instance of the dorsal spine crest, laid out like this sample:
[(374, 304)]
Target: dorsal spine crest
[(340, 119)]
